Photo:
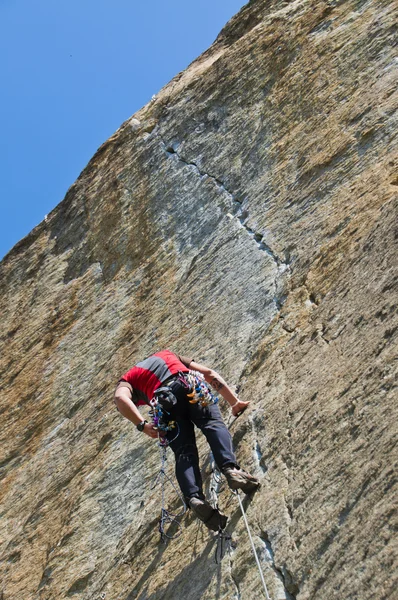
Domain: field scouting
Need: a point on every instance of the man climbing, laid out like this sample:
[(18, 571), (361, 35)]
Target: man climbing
[(172, 379)]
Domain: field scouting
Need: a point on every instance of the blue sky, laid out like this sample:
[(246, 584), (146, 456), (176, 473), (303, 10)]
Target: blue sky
[(71, 72)]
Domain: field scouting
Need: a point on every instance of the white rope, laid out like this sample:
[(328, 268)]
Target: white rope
[(253, 546)]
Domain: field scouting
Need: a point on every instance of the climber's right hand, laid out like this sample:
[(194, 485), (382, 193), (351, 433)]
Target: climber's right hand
[(151, 431)]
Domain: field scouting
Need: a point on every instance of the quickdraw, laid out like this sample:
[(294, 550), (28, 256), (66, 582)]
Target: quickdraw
[(200, 393), (223, 546), (159, 416)]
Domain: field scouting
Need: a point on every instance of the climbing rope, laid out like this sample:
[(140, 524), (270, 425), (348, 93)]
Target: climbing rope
[(252, 544), (166, 517), (160, 419), (223, 545)]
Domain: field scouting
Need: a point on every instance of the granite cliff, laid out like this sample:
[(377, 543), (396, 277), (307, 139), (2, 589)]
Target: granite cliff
[(246, 216)]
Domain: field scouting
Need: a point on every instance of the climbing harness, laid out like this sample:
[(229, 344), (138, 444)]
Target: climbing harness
[(252, 545), (200, 393), (166, 517)]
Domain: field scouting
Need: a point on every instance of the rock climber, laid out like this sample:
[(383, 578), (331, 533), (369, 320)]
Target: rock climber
[(171, 376)]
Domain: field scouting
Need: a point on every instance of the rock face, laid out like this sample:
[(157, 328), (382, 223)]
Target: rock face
[(246, 216)]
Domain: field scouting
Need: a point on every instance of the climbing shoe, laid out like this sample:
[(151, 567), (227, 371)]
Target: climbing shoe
[(240, 480), (210, 516)]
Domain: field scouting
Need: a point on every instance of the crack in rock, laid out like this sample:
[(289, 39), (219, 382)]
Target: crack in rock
[(290, 588), (260, 458), (281, 266), (238, 595), (258, 453), (172, 150), (259, 239)]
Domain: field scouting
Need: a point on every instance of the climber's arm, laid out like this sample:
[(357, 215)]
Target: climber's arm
[(218, 383), (128, 409)]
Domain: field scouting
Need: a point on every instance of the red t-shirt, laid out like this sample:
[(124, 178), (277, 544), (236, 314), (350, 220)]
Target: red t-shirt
[(146, 376)]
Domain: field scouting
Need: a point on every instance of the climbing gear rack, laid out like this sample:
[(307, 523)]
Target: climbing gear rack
[(200, 393), (159, 416)]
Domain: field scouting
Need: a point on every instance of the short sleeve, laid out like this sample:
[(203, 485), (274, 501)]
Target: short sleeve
[(186, 360), (122, 383)]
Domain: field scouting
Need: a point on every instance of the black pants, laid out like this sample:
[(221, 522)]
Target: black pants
[(209, 420)]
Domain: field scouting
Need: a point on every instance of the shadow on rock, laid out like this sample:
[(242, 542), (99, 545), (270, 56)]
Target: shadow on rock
[(191, 582)]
